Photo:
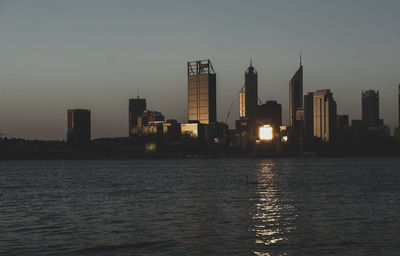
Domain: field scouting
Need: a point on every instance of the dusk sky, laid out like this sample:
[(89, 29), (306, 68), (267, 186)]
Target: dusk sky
[(56, 55)]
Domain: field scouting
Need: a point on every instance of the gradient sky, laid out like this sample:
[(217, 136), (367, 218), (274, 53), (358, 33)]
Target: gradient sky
[(56, 55)]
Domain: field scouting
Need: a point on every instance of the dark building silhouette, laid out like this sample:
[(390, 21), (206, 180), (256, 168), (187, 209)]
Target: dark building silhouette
[(136, 108), (342, 121), (295, 94), (269, 113), (248, 106), (397, 129), (78, 125), (324, 115), (308, 128), (202, 94), (251, 91), (370, 108), (343, 130)]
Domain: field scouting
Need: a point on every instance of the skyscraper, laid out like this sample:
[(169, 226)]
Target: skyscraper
[(251, 91), (202, 93), (295, 94), (136, 108), (370, 108), (308, 117), (324, 115), (78, 125)]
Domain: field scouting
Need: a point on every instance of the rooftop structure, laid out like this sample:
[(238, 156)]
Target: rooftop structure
[(202, 105)]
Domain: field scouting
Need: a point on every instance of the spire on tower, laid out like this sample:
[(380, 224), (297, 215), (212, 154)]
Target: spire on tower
[(300, 60), (251, 62)]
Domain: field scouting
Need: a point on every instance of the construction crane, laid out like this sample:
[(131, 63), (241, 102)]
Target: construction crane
[(229, 112)]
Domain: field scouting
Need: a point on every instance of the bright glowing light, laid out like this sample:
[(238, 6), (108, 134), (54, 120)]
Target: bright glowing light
[(266, 132), (151, 147), (284, 139)]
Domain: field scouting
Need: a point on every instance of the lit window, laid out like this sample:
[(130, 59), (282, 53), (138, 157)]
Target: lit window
[(266, 132)]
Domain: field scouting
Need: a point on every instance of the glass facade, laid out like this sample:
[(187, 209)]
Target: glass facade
[(324, 115), (242, 104), (201, 92), (295, 94)]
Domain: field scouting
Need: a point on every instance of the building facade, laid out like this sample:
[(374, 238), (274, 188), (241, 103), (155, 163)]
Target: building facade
[(269, 113), (324, 110), (251, 91), (308, 124), (370, 108), (295, 94), (79, 128), (136, 108), (202, 94), (242, 103)]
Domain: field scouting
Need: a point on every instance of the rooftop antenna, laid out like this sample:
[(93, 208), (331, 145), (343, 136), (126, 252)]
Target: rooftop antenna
[(137, 93), (251, 62)]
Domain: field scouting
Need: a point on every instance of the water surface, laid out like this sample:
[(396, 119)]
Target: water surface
[(199, 207)]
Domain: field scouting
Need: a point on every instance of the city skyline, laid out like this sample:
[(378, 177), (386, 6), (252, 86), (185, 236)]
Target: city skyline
[(96, 61)]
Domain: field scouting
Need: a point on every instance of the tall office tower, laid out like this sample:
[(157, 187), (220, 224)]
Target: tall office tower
[(251, 91), (202, 93), (78, 125), (370, 108), (324, 115), (242, 103), (136, 108), (295, 94), (308, 116)]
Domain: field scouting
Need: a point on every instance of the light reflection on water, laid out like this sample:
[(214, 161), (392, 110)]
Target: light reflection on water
[(200, 207), (273, 217)]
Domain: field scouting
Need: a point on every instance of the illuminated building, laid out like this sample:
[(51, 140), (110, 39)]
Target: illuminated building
[(266, 132), (144, 120), (136, 108), (201, 92), (370, 108), (161, 131), (192, 131), (242, 103), (78, 125), (295, 94), (152, 127), (270, 113), (324, 115)]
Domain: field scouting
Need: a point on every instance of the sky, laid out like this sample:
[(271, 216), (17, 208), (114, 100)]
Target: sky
[(56, 55)]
